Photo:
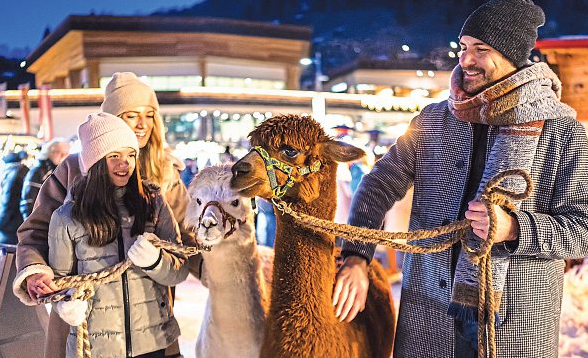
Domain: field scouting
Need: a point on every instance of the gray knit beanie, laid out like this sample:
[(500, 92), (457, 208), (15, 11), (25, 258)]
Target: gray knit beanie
[(509, 26)]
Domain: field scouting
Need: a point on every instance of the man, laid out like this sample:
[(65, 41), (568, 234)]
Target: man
[(188, 173), (52, 153), (501, 108)]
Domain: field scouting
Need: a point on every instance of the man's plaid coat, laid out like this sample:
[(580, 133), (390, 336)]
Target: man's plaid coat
[(434, 156)]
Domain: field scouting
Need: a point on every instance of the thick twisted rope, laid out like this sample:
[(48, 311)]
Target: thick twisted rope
[(83, 285), (492, 195)]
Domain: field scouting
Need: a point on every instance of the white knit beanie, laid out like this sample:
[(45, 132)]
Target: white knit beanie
[(125, 91), (101, 134)]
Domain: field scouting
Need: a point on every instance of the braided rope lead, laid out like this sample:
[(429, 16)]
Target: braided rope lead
[(83, 285), (492, 195)]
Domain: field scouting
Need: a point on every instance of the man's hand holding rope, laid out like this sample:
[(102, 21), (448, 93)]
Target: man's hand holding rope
[(507, 227)]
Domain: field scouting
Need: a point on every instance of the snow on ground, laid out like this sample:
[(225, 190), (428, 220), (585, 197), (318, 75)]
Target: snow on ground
[(573, 337)]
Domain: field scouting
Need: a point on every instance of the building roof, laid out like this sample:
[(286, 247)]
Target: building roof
[(579, 41), (374, 64), (169, 24)]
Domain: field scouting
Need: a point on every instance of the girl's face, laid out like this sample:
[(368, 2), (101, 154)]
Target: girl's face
[(121, 164), (141, 120)]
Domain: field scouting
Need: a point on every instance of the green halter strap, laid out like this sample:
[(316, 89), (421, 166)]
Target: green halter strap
[(271, 163)]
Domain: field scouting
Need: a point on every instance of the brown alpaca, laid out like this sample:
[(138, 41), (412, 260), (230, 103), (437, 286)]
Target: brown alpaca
[(301, 321)]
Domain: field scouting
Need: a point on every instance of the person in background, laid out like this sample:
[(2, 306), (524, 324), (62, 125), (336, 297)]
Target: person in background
[(189, 171), (11, 183), (52, 153), (227, 156), (135, 103), (265, 229), (504, 112)]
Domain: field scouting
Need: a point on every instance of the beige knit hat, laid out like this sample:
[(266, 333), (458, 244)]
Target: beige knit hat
[(101, 134), (126, 91)]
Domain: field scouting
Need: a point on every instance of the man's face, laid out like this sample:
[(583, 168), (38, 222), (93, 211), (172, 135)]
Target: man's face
[(482, 65), (58, 153)]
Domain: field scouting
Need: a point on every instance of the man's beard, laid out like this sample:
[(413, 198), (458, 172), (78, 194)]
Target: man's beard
[(477, 85)]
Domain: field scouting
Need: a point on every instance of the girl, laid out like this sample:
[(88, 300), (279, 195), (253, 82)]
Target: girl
[(130, 316), (136, 103)]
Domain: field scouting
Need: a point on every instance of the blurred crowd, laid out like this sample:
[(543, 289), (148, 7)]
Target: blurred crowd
[(21, 176)]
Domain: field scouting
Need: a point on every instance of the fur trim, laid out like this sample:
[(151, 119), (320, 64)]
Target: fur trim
[(19, 286)]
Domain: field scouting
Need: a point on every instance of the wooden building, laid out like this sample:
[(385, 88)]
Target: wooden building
[(402, 76), (569, 57), (171, 53)]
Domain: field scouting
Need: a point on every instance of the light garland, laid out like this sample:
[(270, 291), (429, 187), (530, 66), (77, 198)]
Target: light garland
[(386, 102)]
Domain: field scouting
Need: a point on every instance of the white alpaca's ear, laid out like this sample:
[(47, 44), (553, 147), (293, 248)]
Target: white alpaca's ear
[(340, 151)]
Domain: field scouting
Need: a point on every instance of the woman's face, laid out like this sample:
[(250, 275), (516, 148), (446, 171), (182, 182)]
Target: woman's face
[(141, 120), (121, 164)]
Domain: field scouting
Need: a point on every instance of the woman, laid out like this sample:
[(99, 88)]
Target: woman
[(135, 102), (101, 226)]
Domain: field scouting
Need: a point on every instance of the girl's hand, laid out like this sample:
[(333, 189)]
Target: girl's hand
[(143, 253), (40, 284), (72, 312)]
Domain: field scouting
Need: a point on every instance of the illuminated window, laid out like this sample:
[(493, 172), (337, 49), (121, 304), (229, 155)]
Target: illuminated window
[(164, 83)]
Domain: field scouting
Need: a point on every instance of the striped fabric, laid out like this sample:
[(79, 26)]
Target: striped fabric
[(434, 156)]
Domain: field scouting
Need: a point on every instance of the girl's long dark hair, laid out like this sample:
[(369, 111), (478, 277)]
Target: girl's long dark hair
[(94, 204)]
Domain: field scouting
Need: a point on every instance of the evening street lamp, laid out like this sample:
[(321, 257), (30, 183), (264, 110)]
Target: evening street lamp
[(454, 51)]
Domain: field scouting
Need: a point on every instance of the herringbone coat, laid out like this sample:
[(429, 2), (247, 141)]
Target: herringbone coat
[(434, 155)]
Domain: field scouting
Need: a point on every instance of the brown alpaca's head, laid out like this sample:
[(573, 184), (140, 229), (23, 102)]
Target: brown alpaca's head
[(298, 142)]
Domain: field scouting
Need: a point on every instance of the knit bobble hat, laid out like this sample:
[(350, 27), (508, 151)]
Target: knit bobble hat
[(509, 26), (101, 134), (125, 91)]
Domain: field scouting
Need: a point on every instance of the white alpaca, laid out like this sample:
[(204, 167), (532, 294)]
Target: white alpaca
[(236, 308)]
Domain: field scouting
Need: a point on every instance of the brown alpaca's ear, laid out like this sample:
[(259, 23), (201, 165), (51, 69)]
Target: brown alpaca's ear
[(340, 151)]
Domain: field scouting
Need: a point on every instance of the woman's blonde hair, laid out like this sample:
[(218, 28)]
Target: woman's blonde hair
[(152, 155)]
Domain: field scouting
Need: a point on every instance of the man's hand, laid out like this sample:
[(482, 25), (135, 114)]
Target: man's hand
[(507, 227), (40, 284), (351, 288)]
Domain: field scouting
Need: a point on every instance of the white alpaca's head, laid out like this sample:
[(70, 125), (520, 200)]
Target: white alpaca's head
[(212, 184)]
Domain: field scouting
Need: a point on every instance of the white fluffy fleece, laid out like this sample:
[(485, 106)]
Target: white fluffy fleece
[(236, 309)]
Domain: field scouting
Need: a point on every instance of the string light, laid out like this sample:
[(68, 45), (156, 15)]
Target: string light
[(384, 101)]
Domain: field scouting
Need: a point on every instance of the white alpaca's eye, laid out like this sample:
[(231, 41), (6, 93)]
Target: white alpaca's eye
[(235, 202), (198, 201)]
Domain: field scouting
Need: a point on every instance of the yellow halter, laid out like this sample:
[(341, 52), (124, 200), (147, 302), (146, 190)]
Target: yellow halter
[(272, 163)]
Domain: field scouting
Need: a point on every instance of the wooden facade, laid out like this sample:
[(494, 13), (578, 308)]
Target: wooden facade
[(569, 56), (71, 56)]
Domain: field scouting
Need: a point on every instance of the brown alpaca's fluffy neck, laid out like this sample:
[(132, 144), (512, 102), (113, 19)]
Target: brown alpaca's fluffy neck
[(304, 270), (325, 204), (301, 300)]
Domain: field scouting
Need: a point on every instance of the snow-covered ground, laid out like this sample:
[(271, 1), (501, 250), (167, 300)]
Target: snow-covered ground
[(573, 337)]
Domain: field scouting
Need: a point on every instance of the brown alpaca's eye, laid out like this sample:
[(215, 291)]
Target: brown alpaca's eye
[(198, 201), (290, 152), (235, 202)]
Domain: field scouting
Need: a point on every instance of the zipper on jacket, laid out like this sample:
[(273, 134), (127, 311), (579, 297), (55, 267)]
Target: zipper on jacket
[(125, 288)]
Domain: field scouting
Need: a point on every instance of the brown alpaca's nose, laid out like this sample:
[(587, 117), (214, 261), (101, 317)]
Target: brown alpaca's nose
[(241, 168)]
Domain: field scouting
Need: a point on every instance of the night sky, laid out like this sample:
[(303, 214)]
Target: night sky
[(23, 21)]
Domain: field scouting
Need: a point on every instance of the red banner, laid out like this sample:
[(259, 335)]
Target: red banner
[(25, 107), (45, 120)]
